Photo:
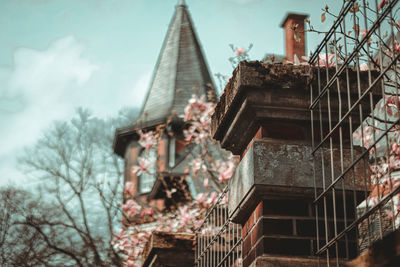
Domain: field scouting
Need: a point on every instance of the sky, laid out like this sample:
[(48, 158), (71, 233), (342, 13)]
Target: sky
[(57, 55)]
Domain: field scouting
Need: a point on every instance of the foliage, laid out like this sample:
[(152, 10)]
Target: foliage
[(209, 163)]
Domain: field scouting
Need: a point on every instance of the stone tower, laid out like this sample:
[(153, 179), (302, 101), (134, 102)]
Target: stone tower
[(181, 71)]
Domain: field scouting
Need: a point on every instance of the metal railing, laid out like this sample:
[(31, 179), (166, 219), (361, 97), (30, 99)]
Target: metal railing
[(219, 240), (354, 102)]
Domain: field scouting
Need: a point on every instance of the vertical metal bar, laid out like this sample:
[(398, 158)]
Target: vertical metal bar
[(217, 240), (229, 243), (237, 240), (394, 215), (356, 37), (226, 236), (322, 160), (213, 240)]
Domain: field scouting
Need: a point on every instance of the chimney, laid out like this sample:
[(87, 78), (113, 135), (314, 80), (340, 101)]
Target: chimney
[(294, 44)]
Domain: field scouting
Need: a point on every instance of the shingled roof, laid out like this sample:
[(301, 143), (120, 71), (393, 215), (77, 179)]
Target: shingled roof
[(180, 72)]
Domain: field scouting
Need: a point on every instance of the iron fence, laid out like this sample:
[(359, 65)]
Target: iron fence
[(219, 240), (355, 129)]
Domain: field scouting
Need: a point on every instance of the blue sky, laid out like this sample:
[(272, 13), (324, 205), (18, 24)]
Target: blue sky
[(56, 55)]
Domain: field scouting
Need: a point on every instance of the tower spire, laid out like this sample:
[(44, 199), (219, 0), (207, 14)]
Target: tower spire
[(181, 3), (181, 71)]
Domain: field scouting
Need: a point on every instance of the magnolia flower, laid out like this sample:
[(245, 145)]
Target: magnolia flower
[(212, 199), (394, 162), (131, 208), (185, 215), (364, 67), (123, 244), (240, 51), (148, 212), (198, 165), (144, 165), (121, 235), (205, 182), (201, 199), (297, 62), (396, 148), (326, 60), (225, 169), (197, 108), (363, 33), (147, 140), (397, 47), (129, 188)]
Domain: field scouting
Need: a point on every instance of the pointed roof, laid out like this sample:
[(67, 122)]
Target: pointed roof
[(180, 72)]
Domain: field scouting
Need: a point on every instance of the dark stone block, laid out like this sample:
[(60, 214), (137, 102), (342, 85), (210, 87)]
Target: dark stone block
[(271, 170), (169, 249)]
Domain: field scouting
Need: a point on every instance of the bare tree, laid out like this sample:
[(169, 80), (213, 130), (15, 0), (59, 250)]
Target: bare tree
[(21, 244), (80, 180)]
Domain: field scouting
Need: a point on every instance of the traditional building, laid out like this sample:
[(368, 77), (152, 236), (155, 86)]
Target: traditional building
[(286, 206), (180, 72)]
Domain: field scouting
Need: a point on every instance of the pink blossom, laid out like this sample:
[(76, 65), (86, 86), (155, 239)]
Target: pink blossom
[(392, 100), (143, 166), (357, 135), (364, 67), (326, 60), (131, 207), (213, 198), (197, 108), (205, 182), (148, 212), (123, 244), (363, 33), (201, 199), (240, 51), (396, 148), (147, 140), (185, 215), (130, 263), (121, 235), (392, 105), (129, 188), (397, 47), (224, 169), (198, 165), (225, 199)]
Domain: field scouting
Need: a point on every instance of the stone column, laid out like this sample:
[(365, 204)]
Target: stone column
[(264, 117)]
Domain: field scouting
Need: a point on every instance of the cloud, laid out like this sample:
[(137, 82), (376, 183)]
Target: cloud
[(40, 87), (137, 92), (40, 75)]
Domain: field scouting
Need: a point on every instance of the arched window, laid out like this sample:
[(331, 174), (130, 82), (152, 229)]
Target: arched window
[(146, 180)]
